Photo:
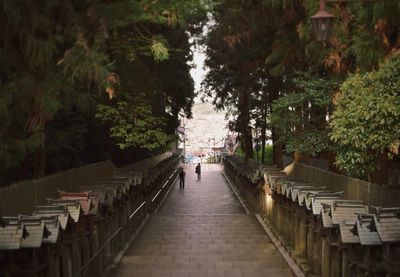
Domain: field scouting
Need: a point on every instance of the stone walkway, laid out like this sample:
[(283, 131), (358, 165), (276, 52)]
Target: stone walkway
[(202, 231)]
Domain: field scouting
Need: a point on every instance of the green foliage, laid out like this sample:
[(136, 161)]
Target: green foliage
[(263, 58), (86, 65), (300, 115), (59, 60), (236, 60), (366, 119), (240, 152), (365, 50), (159, 51), (268, 154), (134, 126)]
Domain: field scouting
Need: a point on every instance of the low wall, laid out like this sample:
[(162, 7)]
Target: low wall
[(321, 245), (23, 197), (97, 229), (356, 189), (249, 192), (149, 162)]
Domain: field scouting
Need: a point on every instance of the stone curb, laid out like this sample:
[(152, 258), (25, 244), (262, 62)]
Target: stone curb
[(236, 193), (289, 260), (284, 253)]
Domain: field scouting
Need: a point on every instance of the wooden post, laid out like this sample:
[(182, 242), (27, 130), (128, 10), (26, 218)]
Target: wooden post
[(310, 241), (108, 232), (345, 264), (85, 250), (76, 257), (288, 225), (317, 253), (96, 265), (279, 217), (302, 238), (335, 267), (325, 258), (53, 262), (67, 261), (294, 232)]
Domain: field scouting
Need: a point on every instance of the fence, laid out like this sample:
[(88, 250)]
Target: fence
[(92, 238), (327, 234), (23, 197), (356, 189), (149, 162), (131, 225)]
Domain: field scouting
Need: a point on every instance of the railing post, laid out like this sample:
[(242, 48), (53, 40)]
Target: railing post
[(67, 261), (76, 256), (97, 262), (325, 258)]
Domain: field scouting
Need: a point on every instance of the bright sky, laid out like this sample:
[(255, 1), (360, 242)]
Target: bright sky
[(207, 125), (198, 72)]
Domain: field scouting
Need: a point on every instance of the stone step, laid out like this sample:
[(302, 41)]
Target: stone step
[(211, 272), (205, 261), (207, 249), (204, 232)]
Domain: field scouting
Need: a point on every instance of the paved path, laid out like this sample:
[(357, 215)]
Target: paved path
[(202, 231)]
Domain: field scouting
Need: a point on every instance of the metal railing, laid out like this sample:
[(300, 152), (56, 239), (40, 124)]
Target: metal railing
[(149, 206), (159, 196)]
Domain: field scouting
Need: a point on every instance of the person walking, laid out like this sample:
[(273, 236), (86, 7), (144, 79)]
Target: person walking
[(198, 171), (182, 176)]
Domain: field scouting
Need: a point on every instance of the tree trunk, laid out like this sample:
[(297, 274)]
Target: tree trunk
[(275, 85), (244, 123), (263, 136), (264, 111), (277, 152), (331, 158), (41, 162), (249, 143), (380, 175)]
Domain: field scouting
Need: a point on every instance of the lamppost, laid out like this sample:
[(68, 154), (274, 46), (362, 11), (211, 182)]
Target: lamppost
[(322, 21)]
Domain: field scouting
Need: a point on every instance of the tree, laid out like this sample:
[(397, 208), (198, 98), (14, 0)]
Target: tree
[(365, 123), (134, 126), (301, 116), (259, 55), (236, 59), (60, 59)]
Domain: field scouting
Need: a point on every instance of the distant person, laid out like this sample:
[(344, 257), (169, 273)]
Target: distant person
[(182, 176), (198, 171)]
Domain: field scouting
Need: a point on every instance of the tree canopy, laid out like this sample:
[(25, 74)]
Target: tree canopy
[(266, 51), (365, 122), (63, 62), (83, 81)]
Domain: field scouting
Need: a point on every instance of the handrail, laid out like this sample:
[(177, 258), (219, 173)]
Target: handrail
[(98, 252), (130, 217), (152, 200), (158, 193), (120, 229)]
